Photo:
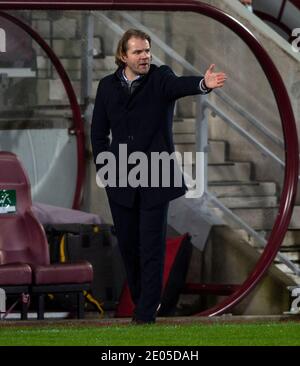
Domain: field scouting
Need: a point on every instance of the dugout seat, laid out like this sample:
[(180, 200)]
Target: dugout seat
[(24, 250)]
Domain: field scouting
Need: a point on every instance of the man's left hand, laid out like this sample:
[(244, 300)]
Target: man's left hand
[(214, 79)]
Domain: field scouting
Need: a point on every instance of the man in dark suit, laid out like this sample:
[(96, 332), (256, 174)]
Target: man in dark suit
[(135, 105)]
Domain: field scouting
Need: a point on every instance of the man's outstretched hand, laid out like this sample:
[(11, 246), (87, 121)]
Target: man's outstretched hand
[(214, 79)]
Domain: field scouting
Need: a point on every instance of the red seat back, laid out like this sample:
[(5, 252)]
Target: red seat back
[(22, 238)]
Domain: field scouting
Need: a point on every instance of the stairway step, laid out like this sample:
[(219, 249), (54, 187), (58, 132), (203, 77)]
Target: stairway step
[(244, 189), (184, 126), (255, 201), (216, 151), (75, 75), (289, 244), (294, 278), (284, 268), (293, 255), (225, 172), (261, 218), (184, 138), (70, 47), (228, 172), (65, 25), (74, 63), (53, 92), (190, 119), (291, 238), (186, 107)]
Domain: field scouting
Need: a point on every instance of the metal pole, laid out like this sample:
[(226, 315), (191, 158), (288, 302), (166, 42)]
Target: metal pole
[(87, 57), (2, 301), (201, 131)]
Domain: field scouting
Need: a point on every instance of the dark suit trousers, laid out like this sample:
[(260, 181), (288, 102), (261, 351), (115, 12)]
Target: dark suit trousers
[(141, 236)]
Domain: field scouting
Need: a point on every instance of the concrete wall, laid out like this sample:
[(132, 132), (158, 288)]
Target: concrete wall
[(228, 258)]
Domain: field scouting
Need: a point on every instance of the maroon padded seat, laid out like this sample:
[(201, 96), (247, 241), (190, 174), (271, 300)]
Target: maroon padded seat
[(15, 279), (23, 240), (15, 274), (63, 273)]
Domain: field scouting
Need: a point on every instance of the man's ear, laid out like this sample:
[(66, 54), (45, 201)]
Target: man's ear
[(123, 58)]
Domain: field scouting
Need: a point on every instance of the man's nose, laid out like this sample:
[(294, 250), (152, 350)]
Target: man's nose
[(145, 54)]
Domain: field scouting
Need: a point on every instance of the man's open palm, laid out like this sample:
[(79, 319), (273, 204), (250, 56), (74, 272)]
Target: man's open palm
[(214, 79)]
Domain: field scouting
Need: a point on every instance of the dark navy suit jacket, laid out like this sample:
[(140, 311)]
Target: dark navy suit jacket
[(142, 121)]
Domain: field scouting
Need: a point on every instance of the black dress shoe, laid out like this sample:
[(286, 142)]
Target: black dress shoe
[(135, 321)]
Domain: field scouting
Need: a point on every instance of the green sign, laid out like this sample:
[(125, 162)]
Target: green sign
[(7, 201)]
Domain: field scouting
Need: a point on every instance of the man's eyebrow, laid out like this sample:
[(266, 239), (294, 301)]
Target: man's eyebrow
[(141, 49)]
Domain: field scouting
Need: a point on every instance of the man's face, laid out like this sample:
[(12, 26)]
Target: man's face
[(137, 58)]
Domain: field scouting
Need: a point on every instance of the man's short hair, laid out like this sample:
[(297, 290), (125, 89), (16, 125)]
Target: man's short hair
[(123, 43)]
